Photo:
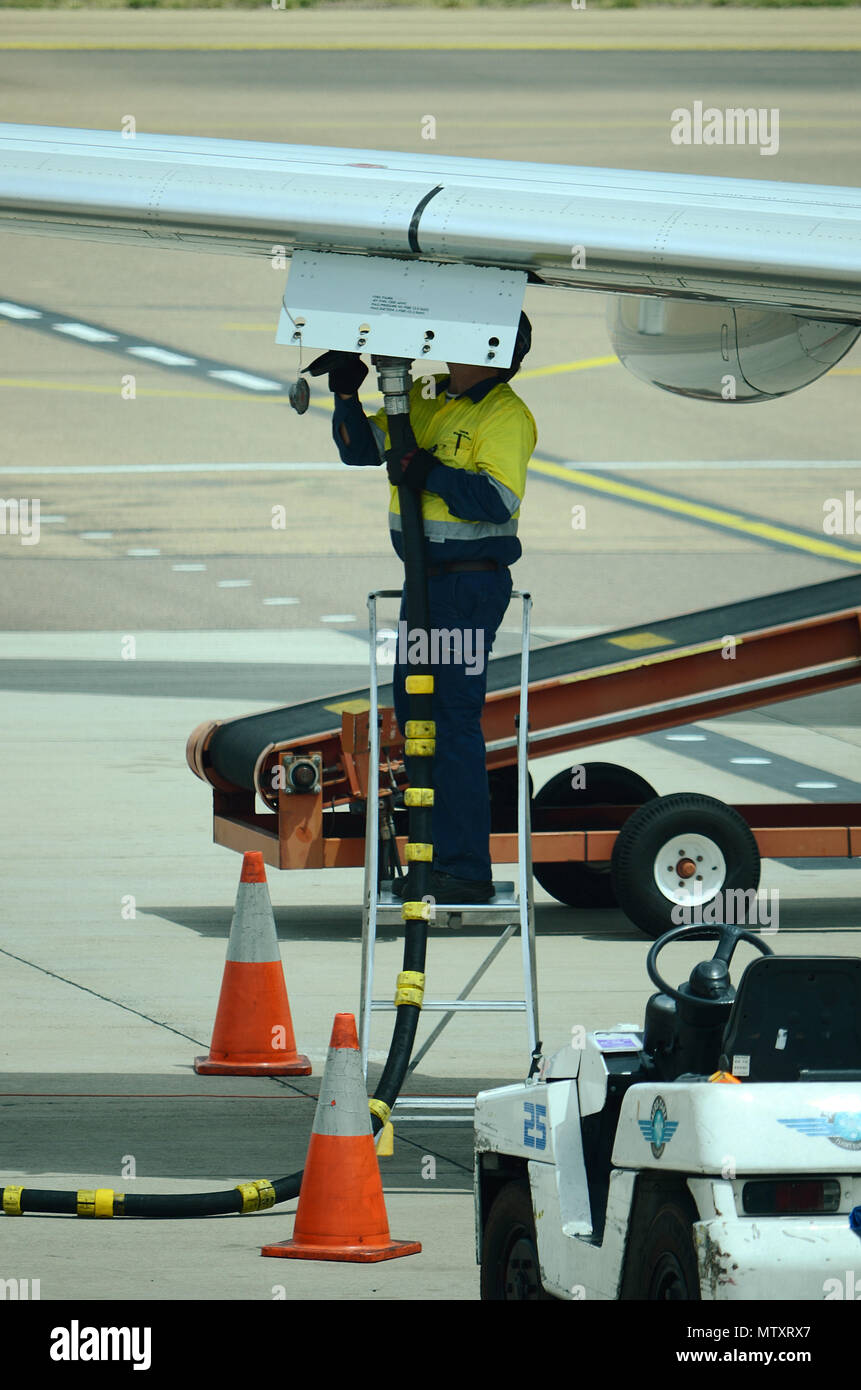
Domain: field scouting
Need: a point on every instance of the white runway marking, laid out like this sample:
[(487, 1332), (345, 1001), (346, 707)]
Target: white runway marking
[(17, 311), (162, 355), (38, 470), (333, 467), (85, 332), (261, 646), (234, 583), (188, 569), (253, 383), (272, 602), (142, 552), (703, 465), (95, 535)]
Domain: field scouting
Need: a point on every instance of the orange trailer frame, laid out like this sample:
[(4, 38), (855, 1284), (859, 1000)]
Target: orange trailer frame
[(674, 683)]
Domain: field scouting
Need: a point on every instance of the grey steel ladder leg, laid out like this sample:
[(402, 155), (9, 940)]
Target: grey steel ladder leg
[(517, 908), (372, 835)]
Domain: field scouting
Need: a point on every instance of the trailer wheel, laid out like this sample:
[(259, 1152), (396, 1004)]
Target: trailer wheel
[(502, 782), (605, 784), (510, 1270), (681, 851), (667, 1269)]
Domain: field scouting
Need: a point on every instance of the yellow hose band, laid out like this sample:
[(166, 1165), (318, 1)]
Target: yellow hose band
[(385, 1145), (409, 996), (419, 685), (256, 1195), (267, 1192), (418, 796), (410, 988), (420, 747), (103, 1204), (12, 1201), (86, 1201), (379, 1108), (411, 977), (250, 1197), (417, 851), (420, 728), (415, 912)]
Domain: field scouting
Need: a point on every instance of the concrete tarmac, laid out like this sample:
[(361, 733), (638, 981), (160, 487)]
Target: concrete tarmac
[(105, 1010), (383, 28)]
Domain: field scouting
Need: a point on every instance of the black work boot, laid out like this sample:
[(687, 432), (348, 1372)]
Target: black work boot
[(444, 888)]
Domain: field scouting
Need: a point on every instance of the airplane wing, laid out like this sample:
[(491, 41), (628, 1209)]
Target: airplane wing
[(762, 278)]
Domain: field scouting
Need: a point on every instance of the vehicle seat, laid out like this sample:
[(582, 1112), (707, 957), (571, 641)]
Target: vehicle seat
[(796, 1014)]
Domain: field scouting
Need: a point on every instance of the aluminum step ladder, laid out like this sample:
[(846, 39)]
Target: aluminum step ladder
[(512, 906)]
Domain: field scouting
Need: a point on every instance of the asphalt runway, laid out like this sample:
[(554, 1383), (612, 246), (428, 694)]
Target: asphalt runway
[(64, 409), (157, 527)]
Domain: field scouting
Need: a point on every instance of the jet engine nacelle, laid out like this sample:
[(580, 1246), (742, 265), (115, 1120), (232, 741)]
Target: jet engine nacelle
[(717, 352)]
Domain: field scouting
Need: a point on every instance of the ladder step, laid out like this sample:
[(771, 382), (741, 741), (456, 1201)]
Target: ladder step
[(512, 906), (503, 900), (509, 1006)]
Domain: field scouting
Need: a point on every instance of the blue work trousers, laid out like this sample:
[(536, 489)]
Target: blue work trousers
[(471, 604)]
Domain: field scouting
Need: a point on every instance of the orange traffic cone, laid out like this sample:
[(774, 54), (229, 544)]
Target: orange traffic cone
[(341, 1213), (253, 1033)]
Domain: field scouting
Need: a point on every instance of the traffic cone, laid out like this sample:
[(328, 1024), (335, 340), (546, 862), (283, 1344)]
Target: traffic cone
[(253, 1033), (341, 1213)]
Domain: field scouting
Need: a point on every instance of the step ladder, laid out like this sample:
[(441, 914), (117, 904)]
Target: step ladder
[(512, 906)]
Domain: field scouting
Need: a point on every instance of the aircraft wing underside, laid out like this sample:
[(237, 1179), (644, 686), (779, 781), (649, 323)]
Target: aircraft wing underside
[(747, 241)]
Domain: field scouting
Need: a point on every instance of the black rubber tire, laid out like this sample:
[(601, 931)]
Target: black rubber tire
[(666, 1261), (502, 782), (510, 1270), (607, 784), (647, 831)]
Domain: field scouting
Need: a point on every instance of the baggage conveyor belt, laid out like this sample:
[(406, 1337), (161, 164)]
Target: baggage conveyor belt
[(612, 685)]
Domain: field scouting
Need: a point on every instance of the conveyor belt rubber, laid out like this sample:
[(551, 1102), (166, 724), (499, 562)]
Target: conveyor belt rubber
[(236, 745)]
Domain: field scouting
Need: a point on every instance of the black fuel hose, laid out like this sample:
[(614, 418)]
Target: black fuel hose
[(420, 739), (261, 1194)]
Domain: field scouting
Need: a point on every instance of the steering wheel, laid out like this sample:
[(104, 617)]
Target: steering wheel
[(727, 936)]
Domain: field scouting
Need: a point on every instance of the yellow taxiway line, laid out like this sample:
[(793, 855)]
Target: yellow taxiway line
[(699, 511)]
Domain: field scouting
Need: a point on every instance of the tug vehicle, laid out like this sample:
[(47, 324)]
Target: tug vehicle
[(714, 1153)]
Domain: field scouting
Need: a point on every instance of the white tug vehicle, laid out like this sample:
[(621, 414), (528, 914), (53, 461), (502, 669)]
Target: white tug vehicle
[(625, 1169)]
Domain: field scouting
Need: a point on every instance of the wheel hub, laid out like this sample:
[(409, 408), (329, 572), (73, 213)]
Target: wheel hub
[(668, 1281), (690, 869), (521, 1271)]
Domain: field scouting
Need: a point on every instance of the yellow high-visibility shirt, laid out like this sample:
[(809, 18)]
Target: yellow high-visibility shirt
[(487, 430)]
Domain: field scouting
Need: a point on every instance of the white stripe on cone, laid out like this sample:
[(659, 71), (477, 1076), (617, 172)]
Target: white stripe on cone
[(342, 1107), (253, 938)]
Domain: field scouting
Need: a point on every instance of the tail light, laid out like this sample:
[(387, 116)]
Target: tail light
[(788, 1197)]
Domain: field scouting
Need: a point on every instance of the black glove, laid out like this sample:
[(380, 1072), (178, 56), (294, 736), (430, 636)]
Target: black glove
[(346, 371), (411, 468)]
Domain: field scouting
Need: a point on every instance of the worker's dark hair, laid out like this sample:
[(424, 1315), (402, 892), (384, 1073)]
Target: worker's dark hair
[(522, 344)]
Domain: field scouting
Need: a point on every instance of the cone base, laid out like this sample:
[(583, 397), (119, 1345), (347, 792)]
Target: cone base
[(297, 1066), (353, 1254)]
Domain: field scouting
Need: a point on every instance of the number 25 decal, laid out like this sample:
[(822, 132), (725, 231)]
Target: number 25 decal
[(534, 1128)]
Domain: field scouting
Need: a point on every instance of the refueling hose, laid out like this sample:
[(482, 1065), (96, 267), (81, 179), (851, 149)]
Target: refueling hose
[(419, 745), (258, 1195)]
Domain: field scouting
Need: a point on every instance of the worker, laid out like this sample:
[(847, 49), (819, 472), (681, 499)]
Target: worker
[(475, 437)]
